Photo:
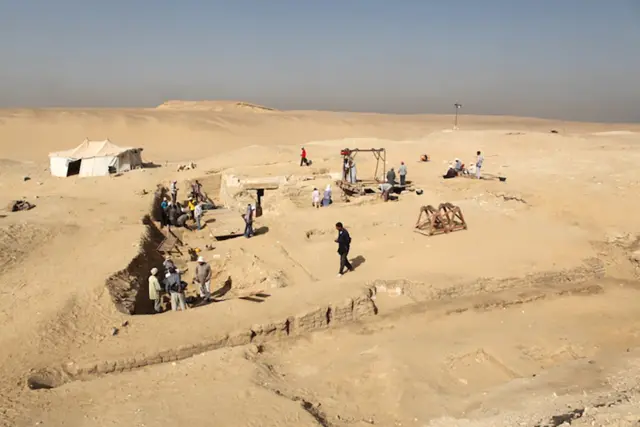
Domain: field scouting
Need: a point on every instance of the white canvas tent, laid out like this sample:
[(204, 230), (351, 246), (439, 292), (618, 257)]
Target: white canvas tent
[(94, 158)]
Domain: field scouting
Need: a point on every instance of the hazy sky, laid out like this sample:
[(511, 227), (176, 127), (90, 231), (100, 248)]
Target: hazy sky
[(571, 59)]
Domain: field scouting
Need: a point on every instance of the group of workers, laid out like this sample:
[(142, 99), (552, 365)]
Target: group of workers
[(349, 172), (391, 183), (173, 285), (177, 214), (317, 201), (402, 172), (458, 168), (174, 214)]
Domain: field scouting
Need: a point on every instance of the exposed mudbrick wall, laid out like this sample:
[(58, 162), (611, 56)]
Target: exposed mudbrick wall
[(319, 318)]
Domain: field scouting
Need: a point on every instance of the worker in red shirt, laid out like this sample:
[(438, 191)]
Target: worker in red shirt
[(303, 158)]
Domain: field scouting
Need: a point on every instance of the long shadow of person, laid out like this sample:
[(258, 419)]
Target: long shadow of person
[(261, 230), (357, 261), (219, 293)]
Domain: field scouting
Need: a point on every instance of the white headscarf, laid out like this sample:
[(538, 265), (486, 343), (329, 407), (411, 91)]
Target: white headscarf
[(328, 188)]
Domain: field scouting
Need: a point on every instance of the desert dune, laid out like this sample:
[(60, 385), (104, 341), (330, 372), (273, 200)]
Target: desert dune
[(526, 318)]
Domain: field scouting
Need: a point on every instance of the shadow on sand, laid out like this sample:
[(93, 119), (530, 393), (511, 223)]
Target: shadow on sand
[(358, 261), (260, 231)]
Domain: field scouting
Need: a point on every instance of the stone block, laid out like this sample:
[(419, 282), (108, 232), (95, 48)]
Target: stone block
[(269, 331), (106, 367), (154, 360), (167, 356), (217, 342), (256, 330), (72, 369), (362, 307), (238, 338), (80, 371), (184, 352), (140, 362), (342, 312), (121, 365), (129, 364), (310, 321)]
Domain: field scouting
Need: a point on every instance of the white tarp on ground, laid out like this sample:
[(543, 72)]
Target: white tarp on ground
[(94, 158)]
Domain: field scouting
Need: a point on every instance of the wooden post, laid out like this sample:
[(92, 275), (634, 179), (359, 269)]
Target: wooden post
[(260, 193)]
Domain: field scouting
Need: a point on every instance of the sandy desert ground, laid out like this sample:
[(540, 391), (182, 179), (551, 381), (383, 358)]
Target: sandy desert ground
[(527, 318)]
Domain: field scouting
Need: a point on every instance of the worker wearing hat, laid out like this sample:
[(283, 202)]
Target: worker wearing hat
[(154, 290), (173, 188), (203, 278)]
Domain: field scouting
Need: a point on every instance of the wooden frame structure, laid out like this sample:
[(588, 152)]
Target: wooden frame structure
[(445, 219), (172, 241), (259, 188), (359, 187)]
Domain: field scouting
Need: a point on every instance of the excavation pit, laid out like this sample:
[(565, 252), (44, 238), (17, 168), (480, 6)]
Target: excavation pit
[(45, 380), (36, 383)]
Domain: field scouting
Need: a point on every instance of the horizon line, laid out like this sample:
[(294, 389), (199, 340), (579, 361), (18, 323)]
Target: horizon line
[(272, 110)]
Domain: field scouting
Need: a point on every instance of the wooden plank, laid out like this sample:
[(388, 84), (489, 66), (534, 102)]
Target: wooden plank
[(260, 186), (177, 233), (171, 241), (167, 244)]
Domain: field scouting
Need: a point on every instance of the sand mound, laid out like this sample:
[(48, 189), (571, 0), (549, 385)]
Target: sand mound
[(11, 168), (17, 240), (7, 163), (217, 106), (614, 133), (247, 272)]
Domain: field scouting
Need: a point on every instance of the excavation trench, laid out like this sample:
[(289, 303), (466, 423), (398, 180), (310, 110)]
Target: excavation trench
[(128, 287)]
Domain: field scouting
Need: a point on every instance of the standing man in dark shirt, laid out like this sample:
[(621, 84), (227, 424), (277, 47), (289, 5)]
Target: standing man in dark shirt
[(172, 214), (164, 213), (174, 287), (391, 177), (344, 244)]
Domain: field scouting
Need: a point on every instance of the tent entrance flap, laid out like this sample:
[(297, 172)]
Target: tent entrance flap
[(74, 167), (113, 165)]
